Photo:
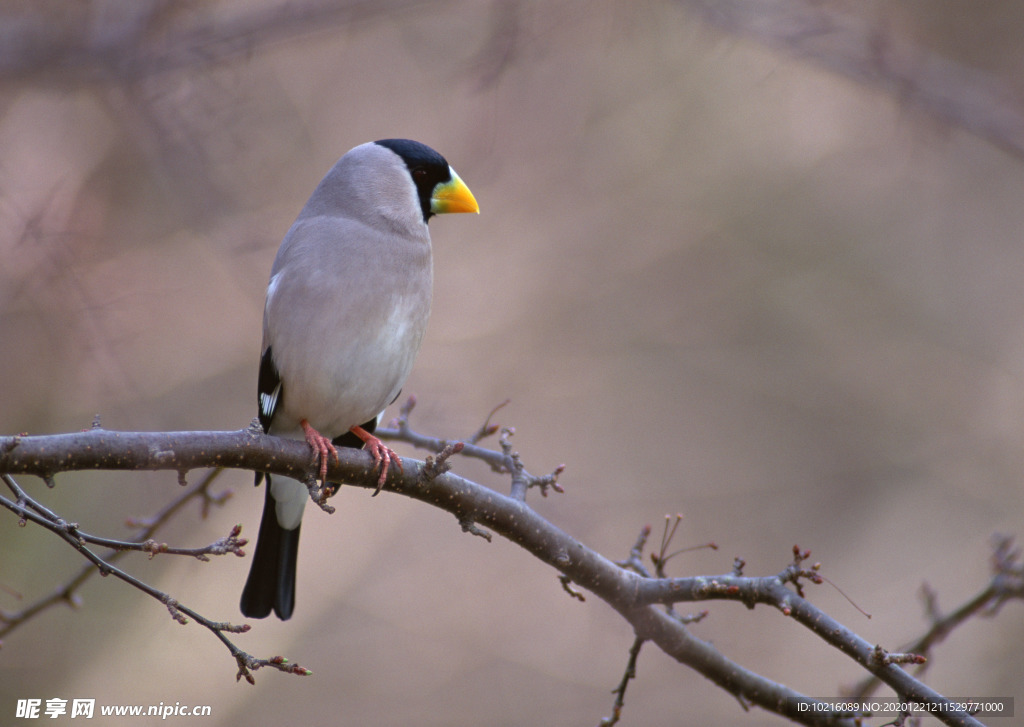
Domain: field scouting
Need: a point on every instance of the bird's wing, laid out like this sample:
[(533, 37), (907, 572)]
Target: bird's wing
[(269, 390)]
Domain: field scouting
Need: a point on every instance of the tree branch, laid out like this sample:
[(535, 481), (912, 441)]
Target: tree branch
[(66, 593), (30, 510), (1007, 583), (633, 595)]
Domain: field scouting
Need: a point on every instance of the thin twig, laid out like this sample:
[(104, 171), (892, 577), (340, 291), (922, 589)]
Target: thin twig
[(620, 691), (507, 461), (1007, 583), (67, 592)]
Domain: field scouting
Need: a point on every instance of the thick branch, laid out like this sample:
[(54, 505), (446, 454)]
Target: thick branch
[(627, 592)]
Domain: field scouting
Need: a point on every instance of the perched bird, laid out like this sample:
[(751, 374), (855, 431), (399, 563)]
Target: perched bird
[(347, 305)]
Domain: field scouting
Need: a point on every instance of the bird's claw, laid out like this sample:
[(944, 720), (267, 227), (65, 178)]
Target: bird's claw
[(383, 456), (323, 449)]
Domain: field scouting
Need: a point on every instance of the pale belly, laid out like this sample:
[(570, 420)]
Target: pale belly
[(339, 383)]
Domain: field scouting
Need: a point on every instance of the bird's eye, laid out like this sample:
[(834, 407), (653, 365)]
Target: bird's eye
[(419, 173)]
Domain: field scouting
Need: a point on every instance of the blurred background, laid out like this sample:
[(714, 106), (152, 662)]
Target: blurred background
[(756, 263)]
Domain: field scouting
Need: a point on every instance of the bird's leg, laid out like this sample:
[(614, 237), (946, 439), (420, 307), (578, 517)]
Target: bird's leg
[(383, 455), (321, 446)]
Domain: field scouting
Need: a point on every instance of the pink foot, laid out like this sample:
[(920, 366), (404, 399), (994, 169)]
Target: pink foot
[(383, 455), (321, 446)]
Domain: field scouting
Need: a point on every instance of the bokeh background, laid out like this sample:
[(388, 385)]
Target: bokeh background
[(717, 273)]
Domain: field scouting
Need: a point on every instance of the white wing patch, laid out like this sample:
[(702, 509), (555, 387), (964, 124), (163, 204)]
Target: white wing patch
[(268, 402)]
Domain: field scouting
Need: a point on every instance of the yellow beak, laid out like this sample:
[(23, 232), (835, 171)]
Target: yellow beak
[(453, 196)]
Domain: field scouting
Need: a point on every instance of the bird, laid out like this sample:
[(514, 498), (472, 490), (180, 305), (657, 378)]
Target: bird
[(346, 309)]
